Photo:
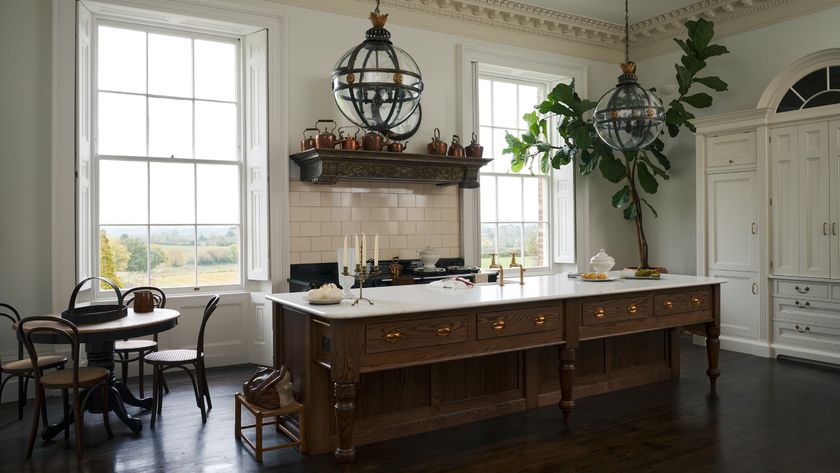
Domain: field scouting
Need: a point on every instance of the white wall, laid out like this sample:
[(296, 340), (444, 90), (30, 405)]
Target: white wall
[(755, 58)]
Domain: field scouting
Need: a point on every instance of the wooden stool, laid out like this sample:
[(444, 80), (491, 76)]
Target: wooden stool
[(259, 414)]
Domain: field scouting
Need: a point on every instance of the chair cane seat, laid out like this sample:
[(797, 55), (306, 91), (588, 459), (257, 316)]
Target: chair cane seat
[(25, 365), (88, 376), (172, 356), (134, 345)]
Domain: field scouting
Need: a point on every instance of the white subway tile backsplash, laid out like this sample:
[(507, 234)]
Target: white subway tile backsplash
[(311, 229), (321, 243), (310, 199), (321, 214)]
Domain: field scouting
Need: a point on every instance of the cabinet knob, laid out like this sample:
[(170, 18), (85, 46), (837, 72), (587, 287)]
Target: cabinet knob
[(695, 300), (539, 320), (393, 337), (632, 308), (444, 331), (600, 312), (669, 304), (499, 325)]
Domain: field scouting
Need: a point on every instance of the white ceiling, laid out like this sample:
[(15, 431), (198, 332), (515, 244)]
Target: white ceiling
[(612, 10)]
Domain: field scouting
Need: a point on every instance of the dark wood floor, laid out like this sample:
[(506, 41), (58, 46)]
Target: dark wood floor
[(771, 416)]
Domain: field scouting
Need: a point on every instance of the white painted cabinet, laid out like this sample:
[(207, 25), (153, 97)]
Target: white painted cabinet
[(784, 198), (814, 213), (834, 194), (731, 149), (732, 226), (739, 305)]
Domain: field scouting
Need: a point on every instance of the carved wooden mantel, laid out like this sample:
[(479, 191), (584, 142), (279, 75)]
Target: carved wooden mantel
[(329, 166)]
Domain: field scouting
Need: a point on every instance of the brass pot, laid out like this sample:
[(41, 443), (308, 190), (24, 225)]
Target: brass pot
[(456, 149), (474, 150), (308, 142), (396, 146), (326, 138), (437, 146), (373, 141), (349, 142)]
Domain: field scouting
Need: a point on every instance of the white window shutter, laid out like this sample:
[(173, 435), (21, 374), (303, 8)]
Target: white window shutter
[(84, 140), (564, 214), (256, 153)]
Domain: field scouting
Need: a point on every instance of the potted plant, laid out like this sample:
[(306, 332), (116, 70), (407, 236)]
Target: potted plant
[(641, 170)]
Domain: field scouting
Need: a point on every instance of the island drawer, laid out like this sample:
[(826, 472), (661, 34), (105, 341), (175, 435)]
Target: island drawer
[(517, 322), (418, 333), (683, 301), (615, 310)]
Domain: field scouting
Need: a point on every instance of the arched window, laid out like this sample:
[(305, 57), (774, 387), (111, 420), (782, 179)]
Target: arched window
[(817, 89)]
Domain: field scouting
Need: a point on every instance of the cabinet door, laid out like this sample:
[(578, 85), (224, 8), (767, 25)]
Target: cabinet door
[(732, 149), (732, 224), (784, 193), (834, 193), (814, 212), (739, 308)]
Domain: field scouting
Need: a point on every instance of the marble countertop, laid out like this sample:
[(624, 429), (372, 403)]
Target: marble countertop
[(397, 300)]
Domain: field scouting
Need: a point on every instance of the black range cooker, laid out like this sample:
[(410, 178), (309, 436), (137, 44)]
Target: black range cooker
[(303, 277)]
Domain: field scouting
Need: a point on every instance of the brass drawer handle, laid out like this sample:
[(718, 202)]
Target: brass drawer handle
[(695, 300), (799, 304), (393, 337), (802, 291), (600, 312), (539, 320), (632, 308), (498, 325), (799, 329), (444, 331), (669, 304)]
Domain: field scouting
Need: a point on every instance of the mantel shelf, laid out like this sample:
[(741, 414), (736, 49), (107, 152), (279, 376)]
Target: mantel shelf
[(329, 166)]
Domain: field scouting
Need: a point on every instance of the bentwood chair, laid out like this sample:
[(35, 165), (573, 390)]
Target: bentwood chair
[(168, 359), (124, 349), (22, 367), (87, 377)]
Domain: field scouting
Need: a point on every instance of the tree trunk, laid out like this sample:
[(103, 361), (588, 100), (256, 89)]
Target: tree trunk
[(640, 229)]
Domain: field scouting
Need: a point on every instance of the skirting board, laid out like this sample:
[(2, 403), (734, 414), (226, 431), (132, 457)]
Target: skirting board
[(740, 345)]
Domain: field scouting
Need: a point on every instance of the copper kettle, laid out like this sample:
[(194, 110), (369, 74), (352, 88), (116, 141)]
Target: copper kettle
[(308, 142), (326, 138), (437, 146), (456, 149), (474, 150), (373, 141), (396, 146), (349, 142)]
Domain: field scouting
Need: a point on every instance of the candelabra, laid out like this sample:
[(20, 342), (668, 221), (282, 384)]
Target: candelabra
[(361, 273)]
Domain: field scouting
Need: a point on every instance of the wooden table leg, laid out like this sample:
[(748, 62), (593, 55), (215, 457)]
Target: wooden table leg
[(712, 353), (567, 376), (345, 412)]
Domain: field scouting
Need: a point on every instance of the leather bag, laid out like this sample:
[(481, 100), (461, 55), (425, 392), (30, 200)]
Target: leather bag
[(270, 388)]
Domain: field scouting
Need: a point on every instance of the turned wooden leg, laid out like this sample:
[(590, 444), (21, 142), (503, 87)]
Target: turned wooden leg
[(712, 353), (345, 411), (567, 376)]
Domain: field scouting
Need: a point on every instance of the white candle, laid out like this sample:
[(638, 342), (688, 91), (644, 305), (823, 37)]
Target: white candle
[(376, 251), (364, 249), (345, 257), (356, 246)]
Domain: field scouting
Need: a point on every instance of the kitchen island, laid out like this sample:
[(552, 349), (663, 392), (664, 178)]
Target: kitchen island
[(423, 357)]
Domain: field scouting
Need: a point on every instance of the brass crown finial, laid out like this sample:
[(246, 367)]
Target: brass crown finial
[(378, 20), (628, 67)]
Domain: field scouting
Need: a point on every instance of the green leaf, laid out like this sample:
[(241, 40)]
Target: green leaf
[(699, 100), (683, 79), (562, 157), (631, 211), (580, 136), (693, 64), (713, 82), (545, 162), (656, 169), (673, 130), (713, 50), (684, 46), (621, 198), (588, 162), (612, 169), (651, 208), (646, 179), (661, 158), (690, 126), (700, 32)]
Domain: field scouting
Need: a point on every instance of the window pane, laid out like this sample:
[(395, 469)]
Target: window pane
[(122, 255), (528, 98), (218, 193), (487, 186), (122, 125), (172, 189), (484, 103), (510, 199), (510, 241), (485, 137), (173, 256), (170, 128), (123, 192), (215, 131), (488, 243), (504, 105), (534, 201), (536, 245), (121, 60), (170, 65), (215, 70), (218, 255), (501, 161)]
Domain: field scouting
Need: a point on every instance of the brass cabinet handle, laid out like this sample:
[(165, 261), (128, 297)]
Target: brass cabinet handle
[(754, 228), (393, 337), (800, 330), (539, 320), (444, 331), (695, 300), (802, 291), (669, 304), (798, 304), (600, 312), (498, 325), (632, 308), (825, 228), (755, 288)]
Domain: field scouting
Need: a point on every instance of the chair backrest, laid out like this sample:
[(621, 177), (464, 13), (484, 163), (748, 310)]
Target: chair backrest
[(29, 329), (157, 293), (208, 311), (9, 312)]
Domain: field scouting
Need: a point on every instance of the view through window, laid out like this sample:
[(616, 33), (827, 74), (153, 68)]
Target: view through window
[(167, 157), (514, 206)]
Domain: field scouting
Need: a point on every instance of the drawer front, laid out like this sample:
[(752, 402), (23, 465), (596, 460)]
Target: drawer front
[(615, 310), (518, 322), (418, 333), (802, 289), (683, 301), (803, 334), (824, 314)]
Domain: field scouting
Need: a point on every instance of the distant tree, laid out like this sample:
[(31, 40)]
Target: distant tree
[(107, 265)]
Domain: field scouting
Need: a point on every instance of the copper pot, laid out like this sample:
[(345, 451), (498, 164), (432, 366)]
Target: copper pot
[(456, 149), (349, 142), (437, 146), (474, 150), (326, 138), (373, 141), (308, 142), (397, 147)]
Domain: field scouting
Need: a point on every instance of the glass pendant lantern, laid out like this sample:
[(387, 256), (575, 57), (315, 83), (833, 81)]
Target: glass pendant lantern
[(628, 117), (377, 85)]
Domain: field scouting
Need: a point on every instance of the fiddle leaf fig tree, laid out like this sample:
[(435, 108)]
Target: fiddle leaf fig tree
[(639, 172)]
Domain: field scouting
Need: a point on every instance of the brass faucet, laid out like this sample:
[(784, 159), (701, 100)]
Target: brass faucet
[(514, 264), (493, 265)]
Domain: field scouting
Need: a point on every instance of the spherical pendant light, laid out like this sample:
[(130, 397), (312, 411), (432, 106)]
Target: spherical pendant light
[(628, 117), (377, 85)]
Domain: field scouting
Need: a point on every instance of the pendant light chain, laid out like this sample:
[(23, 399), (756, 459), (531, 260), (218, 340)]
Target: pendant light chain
[(377, 7), (626, 31)]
